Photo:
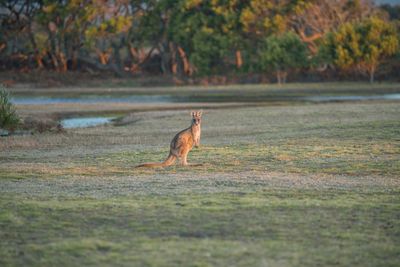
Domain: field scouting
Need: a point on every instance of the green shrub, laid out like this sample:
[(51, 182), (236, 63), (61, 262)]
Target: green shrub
[(282, 54), (9, 119)]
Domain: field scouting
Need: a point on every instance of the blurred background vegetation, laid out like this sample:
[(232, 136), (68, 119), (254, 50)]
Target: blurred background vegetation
[(202, 41)]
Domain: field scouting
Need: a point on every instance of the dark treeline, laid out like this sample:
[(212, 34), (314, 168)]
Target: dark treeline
[(197, 38)]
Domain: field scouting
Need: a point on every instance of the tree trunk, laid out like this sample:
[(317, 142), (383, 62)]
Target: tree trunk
[(53, 50), (139, 56), (279, 77), (174, 62), (74, 60), (63, 62), (187, 69), (39, 60), (239, 60), (133, 51), (117, 56), (96, 65), (372, 74), (165, 57), (2, 47), (37, 55), (135, 57), (310, 41), (57, 55), (55, 61), (104, 56), (284, 76)]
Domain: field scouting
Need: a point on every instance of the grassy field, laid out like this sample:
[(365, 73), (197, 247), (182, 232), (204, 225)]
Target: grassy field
[(297, 184)]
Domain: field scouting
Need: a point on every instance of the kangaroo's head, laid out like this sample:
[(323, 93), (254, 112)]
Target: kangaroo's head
[(196, 117)]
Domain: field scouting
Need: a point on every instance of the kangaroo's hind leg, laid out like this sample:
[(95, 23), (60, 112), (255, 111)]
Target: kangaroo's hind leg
[(184, 157), (185, 163)]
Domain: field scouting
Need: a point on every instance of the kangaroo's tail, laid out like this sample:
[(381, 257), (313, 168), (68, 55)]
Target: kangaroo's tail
[(168, 162)]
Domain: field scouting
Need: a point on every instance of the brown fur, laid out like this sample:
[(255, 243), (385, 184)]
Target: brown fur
[(182, 143)]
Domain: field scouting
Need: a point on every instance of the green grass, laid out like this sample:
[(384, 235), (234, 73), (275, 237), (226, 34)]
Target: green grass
[(280, 185), (278, 227), (303, 156)]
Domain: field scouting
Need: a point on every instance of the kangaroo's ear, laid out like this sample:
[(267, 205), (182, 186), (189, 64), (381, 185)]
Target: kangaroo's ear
[(192, 113), (200, 112)]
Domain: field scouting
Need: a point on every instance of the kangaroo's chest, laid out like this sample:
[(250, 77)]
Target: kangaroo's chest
[(196, 136)]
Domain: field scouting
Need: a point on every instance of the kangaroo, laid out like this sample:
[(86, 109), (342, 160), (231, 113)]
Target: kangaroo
[(182, 143)]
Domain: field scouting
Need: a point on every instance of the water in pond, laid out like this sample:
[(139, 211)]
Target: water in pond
[(351, 98), (153, 99), (94, 121), (84, 122)]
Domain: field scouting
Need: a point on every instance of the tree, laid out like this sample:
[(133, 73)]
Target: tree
[(282, 53), (195, 27), (64, 23), (231, 27), (316, 18), (362, 45), (263, 17), (158, 31), (209, 50), (17, 20), (309, 19), (106, 34)]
